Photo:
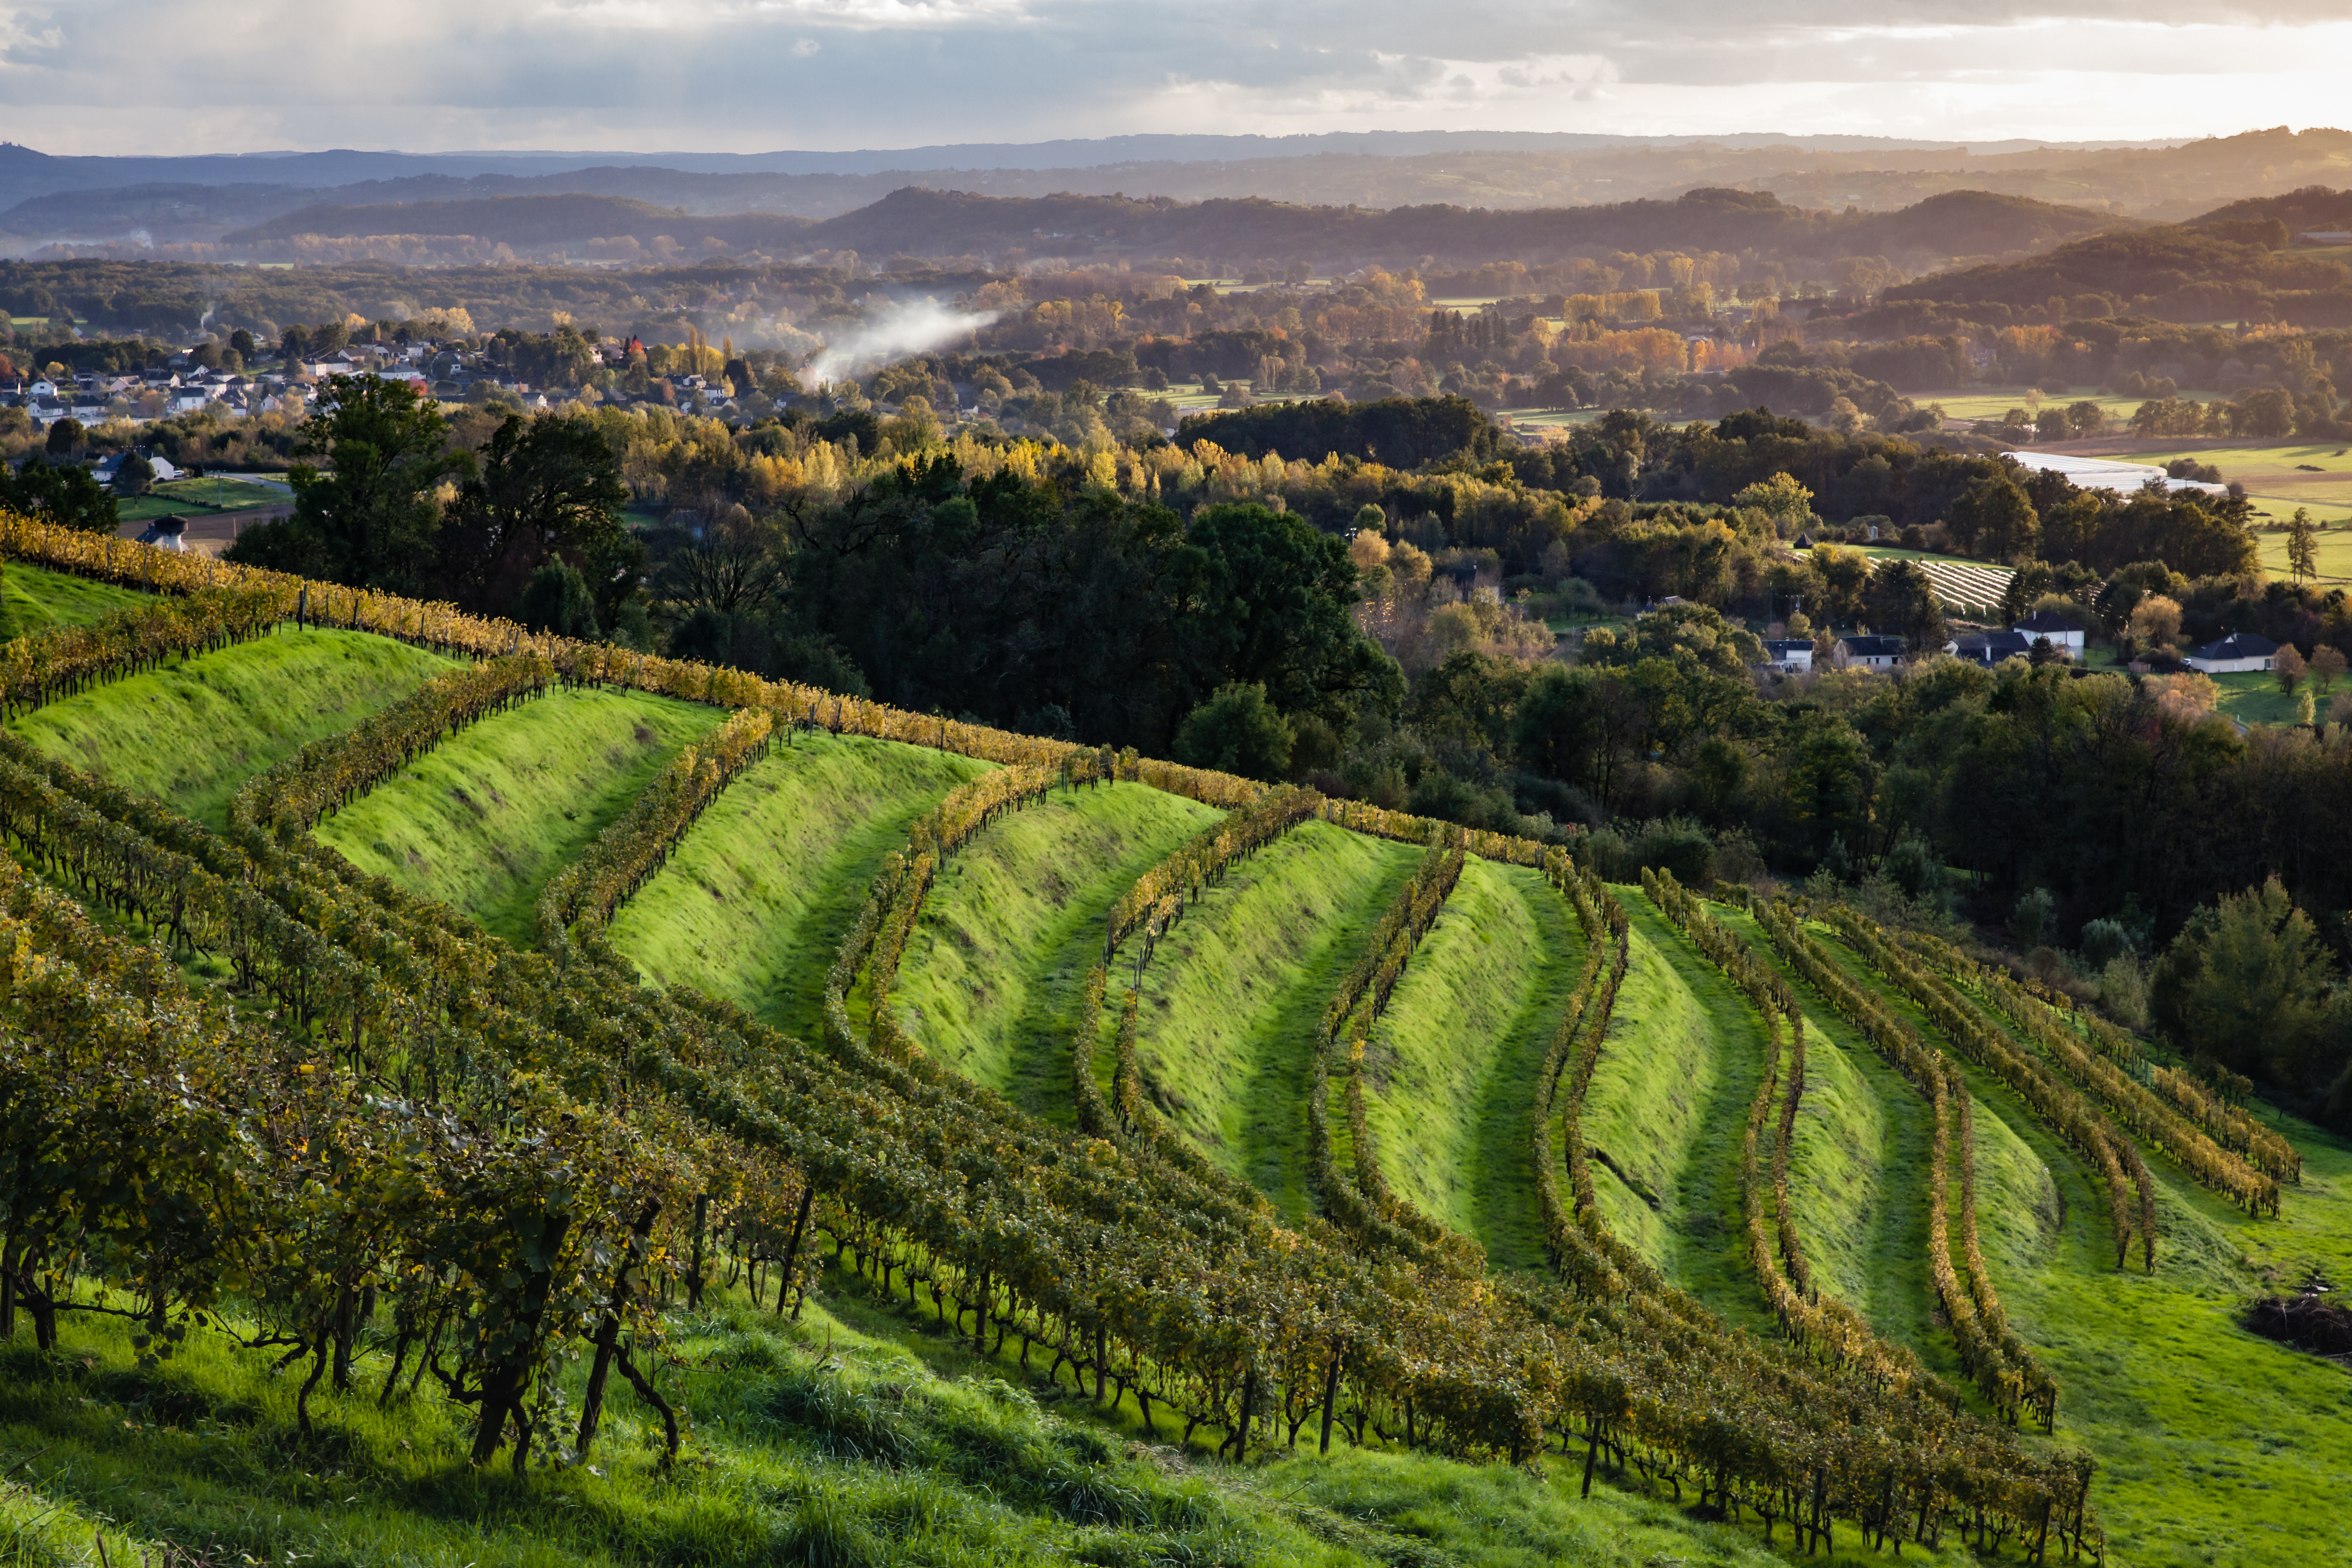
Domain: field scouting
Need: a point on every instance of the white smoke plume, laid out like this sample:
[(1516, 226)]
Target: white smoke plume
[(895, 332)]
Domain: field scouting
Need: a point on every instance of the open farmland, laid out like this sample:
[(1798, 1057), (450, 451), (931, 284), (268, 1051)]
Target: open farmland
[(1012, 1142)]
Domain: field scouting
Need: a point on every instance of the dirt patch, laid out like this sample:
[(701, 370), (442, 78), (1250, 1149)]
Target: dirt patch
[(646, 737), (2309, 1322)]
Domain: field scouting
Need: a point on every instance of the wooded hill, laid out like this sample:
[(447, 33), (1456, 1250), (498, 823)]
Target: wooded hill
[(2235, 262), (921, 223), (527, 220)]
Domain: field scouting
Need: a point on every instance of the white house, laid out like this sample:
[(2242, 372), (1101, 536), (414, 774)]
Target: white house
[(2234, 655), (1989, 648), (1869, 653), (2054, 628), (1792, 655)]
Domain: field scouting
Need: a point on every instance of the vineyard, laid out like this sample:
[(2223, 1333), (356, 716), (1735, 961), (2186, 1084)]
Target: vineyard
[(640, 1111)]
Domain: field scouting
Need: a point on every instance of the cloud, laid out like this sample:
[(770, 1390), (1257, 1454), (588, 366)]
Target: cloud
[(755, 75)]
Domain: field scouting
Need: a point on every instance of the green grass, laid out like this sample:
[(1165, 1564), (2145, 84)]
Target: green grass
[(1451, 1068), (1992, 401), (482, 822), (1669, 1097), (202, 1456), (1232, 1000), (2215, 1446), (752, 905), (2253, 696), (1855, 1167), (192, 733), (2279, 476), (992, 975), (33, 599)]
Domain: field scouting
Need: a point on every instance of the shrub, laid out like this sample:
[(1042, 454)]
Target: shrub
[(1236, 731), (2030, 922)]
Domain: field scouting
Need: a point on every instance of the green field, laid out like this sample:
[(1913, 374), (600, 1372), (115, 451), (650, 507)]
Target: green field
[(757, 899), (1230, 1003), (2278, 479), (33, 599), (483, 821), (991, 979), (1992, 401), (192, 734), (2218, 1445), (1451, 1068)]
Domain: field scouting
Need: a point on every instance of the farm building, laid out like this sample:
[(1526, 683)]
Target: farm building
[(1792, 654), (2234, 655), (1989, 648), (2059, 632), (1869, 653)]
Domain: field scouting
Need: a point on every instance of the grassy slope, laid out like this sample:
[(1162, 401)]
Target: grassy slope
[(204, 1455), (1683, 1057), (195, 733), (752, 905), (2215, 1446), (33, 598), (1231, 1002), (1453, 1063), (1856, 1174), (991, 981), (485, 820)]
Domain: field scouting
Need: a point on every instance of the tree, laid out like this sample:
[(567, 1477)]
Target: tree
[(1275, 605), (68, 495), (2155, 622), (1995, 519), (65, 438), (2327, 666), (1779, 497), (731, 562), (374, 511), (2247, 980), (135, 474), (1842, 578), (557, 600), (2303, 544), (2030, 922), (2287, 664), (1901, 602), (1236, 731), (548, 489), (1699, 632), (2266, 414)]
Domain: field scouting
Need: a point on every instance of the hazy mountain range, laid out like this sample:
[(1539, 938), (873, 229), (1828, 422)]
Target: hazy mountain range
[(58, 204)]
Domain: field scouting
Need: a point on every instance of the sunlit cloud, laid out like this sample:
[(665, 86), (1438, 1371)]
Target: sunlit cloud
[(753, 75)]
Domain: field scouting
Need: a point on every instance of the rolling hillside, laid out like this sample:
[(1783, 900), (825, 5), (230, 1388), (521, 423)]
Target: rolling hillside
[(945, 1249)]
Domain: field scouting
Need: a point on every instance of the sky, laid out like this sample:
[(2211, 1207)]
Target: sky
[(741, 76)]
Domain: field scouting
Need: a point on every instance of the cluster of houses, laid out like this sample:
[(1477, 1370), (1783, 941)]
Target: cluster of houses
[(2236, 654), (183, 384), (93, 397)]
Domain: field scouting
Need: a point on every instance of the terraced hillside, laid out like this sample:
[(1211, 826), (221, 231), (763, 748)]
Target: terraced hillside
[(824, 1025)]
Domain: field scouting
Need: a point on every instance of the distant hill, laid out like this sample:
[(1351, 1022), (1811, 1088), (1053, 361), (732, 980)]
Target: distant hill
[(531, 221), (2226, 266), (2313, 207), (950, 223), (175, 201)]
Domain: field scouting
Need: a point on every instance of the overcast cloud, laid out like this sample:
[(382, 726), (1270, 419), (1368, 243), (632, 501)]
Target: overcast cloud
[(188, 76)]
